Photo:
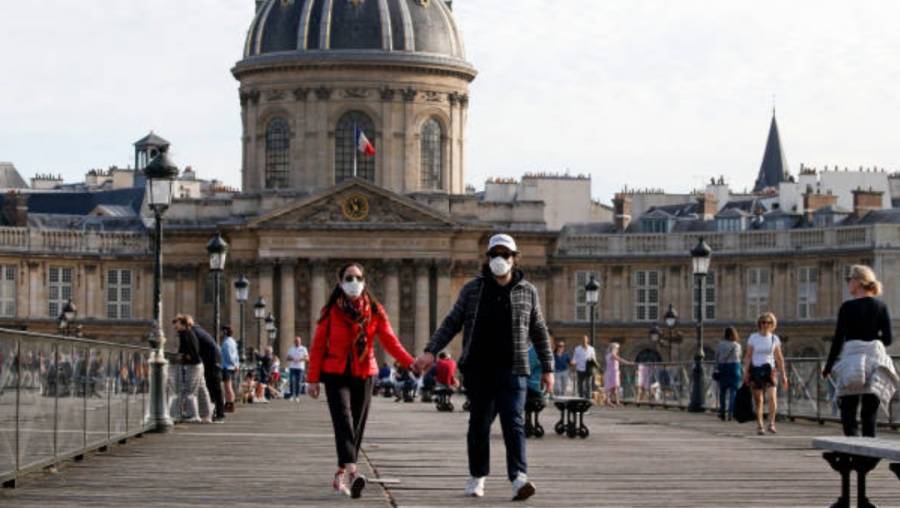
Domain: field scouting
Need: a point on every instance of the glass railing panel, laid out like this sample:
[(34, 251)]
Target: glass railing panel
[(118, 403), (72, 372), (8, 382), (97, 394), (38, 390)]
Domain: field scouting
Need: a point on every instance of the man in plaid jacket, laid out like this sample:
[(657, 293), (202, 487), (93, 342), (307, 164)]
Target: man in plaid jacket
[(499, 313)]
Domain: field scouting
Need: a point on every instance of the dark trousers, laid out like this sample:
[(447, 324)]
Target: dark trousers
[(585, 384), (297, 376), (490, 395), (348, 403), (213, 378), (869, 413)]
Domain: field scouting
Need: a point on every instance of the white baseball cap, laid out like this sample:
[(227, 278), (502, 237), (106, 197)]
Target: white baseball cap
[(502, 241)]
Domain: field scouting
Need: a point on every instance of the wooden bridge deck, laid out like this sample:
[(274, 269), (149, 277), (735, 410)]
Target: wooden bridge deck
[(281, 454)]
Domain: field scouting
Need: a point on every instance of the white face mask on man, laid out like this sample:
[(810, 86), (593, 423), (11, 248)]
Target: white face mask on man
[(500, 267), (354, 288)]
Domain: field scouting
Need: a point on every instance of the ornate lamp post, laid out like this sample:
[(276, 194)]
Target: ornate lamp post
[(241, 293), (591, 297), (259, 312), (700, 255), (217, 249), (654, 334), (273, 334), (270, 326), (160, 174), (671, 319)]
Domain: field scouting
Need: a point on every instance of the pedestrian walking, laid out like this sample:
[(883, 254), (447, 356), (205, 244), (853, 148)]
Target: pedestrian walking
[(612, 376), (343, 358), (763, 363), (585, 361), (499, 313), (231, 366), (297, 357), (263, 375), (728, 373), (864, 375), (211, 357), (189, 375), (561, 362)]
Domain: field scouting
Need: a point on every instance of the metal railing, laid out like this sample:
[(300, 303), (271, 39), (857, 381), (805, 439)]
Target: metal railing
[(809, 395), (62, 397)]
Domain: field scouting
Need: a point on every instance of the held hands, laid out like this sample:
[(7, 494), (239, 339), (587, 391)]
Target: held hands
[(422, 363), (547, 382), (312, 390)]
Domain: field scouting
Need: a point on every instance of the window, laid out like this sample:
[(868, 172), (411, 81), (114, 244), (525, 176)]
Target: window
[(709, 297), (735, 224), (278, 154), (757, 291), (8, 291), (655, 225), (346, 155), (118, 294), (807, 287), (59, 289), (582, 309), (646, 290), (432, 156)]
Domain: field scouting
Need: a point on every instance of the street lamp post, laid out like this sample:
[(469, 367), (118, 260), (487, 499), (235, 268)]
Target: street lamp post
[(655, 334), (273, 334), (259, 312), (242, 293), (217, 249), (591, 297), (700, 255), (671, 319), (160, 174), (270, 328)]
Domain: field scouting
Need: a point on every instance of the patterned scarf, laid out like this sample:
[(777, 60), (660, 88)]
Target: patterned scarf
[(359, 312)]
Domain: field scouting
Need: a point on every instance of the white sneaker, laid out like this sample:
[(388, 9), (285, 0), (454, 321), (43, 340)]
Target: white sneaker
[(340, 484), (475, 487), (522, 488)]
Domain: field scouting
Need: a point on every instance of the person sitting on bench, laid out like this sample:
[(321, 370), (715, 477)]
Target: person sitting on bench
[(445, 371)]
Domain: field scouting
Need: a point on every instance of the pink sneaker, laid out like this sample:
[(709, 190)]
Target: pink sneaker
[(340, 485)]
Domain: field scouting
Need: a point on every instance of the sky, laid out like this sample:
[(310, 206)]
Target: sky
[(637, 93)]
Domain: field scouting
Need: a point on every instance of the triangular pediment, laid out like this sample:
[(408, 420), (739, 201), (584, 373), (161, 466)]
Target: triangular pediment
[(355, 203)]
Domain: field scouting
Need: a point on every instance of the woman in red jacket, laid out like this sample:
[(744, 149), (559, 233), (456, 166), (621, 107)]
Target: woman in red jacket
[(343, 358)]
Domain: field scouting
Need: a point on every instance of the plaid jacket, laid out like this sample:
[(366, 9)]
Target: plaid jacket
[(527, 321)]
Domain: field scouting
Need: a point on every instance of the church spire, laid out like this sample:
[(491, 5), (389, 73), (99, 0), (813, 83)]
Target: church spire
[(774, 168)]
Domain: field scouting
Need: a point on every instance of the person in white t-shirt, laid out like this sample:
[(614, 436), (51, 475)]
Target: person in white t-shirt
[(762, 364), (297, 357), (585, 361)]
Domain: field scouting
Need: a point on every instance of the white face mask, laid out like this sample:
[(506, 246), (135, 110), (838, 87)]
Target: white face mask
[(500, 267), (353, 289)]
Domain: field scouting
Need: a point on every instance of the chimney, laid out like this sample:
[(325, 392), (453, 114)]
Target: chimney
[(622, 212), (864, 201), (709, 205), (15, 209), (814, 201)]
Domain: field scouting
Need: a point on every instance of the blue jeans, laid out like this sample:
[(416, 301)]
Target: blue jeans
[(730, 379), (297, 378), (491, 394)]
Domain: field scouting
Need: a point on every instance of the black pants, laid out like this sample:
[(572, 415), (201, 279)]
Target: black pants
[(491, 394), (348, 403), (869, 413), (213, 378), (585, 384)]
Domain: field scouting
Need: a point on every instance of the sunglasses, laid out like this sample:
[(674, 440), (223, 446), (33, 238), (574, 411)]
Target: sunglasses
[(504, 255), (351, 278), (767, 322)]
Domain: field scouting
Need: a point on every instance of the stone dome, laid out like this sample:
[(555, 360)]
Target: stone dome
[(376, 31)]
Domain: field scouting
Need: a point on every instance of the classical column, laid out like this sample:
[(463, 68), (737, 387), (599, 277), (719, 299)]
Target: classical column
[(318, 292), (423, 306), (444, 290), (286, 330), (392, 296), (267, 291)]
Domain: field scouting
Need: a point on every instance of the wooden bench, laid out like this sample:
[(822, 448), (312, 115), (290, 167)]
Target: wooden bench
[(571, 417), (848, 454)]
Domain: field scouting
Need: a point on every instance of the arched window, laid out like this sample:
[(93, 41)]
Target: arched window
[(278, 148), (432, 155), (348, 160)]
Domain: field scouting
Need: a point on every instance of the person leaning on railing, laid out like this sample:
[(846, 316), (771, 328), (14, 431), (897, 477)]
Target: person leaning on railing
[(863, 330)]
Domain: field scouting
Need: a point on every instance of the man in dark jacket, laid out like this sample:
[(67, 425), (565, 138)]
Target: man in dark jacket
[(189, 373), (499, 313), (211, 356)]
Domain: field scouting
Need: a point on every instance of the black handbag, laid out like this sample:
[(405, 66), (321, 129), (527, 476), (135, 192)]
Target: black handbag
[(743, 405)]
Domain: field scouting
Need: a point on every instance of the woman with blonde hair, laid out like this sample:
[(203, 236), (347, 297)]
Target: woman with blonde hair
[(763, 361), (863, 329), (611, 378)]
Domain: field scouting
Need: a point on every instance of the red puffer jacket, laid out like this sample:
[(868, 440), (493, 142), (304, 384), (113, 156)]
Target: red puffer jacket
[(334, 339)]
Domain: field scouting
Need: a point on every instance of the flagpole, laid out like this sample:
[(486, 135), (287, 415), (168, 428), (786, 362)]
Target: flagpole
[(355, 148)]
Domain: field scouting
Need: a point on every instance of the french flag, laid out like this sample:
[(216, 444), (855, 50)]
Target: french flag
[(363, 145)]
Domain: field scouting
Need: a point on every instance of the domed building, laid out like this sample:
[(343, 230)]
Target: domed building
[(316, 71)]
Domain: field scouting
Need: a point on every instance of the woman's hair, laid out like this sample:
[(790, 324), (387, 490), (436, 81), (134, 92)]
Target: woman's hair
[(865, 276), (227, 330), (767, 316), (732, 334), (613, 347), (337, 292)]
